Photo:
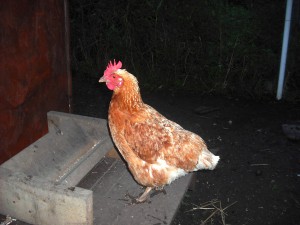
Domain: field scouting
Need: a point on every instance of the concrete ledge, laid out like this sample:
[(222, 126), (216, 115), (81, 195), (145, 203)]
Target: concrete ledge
[(34, 183), (36, 201)]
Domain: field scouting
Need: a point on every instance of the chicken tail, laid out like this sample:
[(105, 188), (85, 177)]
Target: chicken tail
[(207, 160)]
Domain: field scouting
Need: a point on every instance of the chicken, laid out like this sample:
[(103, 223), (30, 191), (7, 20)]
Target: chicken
[(157, 150)]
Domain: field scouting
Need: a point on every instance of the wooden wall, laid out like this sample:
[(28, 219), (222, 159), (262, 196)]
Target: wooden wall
[(34, 70)]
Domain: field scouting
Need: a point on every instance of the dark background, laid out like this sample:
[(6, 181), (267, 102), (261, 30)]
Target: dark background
[(225, 47)]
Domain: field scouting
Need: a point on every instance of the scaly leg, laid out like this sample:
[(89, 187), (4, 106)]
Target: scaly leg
[(144, 196)]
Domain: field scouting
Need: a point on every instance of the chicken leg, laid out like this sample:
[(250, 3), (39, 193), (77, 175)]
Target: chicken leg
[(144, 196)]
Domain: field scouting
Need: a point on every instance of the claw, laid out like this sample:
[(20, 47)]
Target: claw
[(143, 198), (133, 200)]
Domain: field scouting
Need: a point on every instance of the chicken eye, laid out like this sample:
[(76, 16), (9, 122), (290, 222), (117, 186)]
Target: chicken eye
[(114, 76)]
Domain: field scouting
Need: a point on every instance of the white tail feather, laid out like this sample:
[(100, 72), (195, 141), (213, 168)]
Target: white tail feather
[(207, 160)]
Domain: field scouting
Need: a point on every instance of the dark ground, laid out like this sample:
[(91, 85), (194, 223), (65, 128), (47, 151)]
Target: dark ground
[(259, 170)]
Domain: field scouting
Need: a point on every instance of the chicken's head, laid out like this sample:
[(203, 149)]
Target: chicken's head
[(110, 77)]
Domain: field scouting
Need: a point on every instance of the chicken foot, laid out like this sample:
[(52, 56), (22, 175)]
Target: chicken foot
[(146, 195), (142, 198)]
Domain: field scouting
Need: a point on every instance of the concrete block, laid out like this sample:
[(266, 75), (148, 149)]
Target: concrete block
[(36, 201), (37, 184)]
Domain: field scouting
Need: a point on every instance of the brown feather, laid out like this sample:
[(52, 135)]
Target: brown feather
[(155, 148)]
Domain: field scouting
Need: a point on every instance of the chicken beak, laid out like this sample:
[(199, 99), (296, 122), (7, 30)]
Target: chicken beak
[(102, 79)]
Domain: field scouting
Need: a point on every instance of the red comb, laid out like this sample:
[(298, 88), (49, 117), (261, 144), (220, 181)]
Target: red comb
[(112, 67)]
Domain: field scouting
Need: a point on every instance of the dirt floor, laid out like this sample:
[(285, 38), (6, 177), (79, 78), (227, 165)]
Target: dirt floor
[(257, 179)]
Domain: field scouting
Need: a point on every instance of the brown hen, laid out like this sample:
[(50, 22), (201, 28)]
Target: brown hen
[(157, 150)]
